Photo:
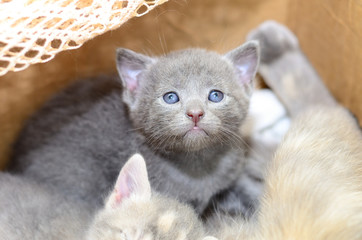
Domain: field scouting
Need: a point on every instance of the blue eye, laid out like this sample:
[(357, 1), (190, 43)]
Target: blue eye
[(216, 96), (170, 98)]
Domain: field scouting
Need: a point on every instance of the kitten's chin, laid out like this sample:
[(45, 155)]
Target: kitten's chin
[(196, 139)]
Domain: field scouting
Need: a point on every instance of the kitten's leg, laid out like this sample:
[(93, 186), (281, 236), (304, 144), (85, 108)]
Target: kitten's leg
[(287, 71)]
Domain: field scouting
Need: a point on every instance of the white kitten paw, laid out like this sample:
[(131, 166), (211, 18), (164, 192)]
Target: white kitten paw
[(209, 238)]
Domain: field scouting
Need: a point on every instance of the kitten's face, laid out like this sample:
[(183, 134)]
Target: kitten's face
[(189, 100)]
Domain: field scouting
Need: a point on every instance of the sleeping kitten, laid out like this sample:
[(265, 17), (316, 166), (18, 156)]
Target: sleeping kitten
[(132, 211), (182, 111), (313, 185)]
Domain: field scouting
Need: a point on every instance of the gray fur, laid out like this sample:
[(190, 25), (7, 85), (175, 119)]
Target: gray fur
[(242, 198), (286, 69), (75, 143), (29, 211)]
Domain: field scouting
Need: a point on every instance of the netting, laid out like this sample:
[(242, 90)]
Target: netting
[(33, 31)]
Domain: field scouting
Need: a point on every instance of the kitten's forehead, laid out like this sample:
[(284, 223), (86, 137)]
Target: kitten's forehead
[(191, 67)]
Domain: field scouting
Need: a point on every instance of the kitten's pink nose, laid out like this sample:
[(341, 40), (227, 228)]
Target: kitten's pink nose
[(195, 115)]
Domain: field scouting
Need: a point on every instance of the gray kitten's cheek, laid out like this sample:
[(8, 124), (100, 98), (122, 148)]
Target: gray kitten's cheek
[(211, 124), (221, 109), (169, 112)]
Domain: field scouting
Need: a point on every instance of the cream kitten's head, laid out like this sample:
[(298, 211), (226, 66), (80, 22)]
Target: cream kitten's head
[(133, 212), (189, 99)]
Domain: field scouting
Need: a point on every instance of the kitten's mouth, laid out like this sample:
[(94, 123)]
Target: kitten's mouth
[(196, 131)]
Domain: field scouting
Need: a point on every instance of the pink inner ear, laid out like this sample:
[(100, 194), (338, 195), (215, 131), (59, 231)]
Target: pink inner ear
[(245, 73), (245, 59), (123, 187), (132, 86), (131, 79), (118, 196), (132, 180)]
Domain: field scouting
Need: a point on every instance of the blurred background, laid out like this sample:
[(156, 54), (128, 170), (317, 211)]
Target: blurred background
[(329, 31)]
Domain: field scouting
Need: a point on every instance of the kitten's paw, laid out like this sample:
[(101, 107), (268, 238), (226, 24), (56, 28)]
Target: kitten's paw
[(275, 39), (209, 238)]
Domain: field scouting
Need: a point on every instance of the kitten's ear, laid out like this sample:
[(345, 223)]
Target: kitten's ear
[(132, 182), (245, 60), (130, 66)]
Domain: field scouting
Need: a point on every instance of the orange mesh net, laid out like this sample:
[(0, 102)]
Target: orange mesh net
[(33, 31)]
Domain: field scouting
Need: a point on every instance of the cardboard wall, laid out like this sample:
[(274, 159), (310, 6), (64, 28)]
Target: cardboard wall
[(330, 33)]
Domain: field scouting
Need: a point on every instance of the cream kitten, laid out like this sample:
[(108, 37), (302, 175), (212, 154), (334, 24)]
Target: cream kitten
[(134, 212), (313, 185)]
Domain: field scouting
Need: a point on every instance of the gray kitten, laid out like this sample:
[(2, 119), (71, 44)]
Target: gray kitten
[(29, 211), (182, 111)]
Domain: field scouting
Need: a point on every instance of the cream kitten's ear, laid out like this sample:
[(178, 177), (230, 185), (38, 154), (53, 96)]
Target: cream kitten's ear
[(132, 182), (246, 60), (130, 66)]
